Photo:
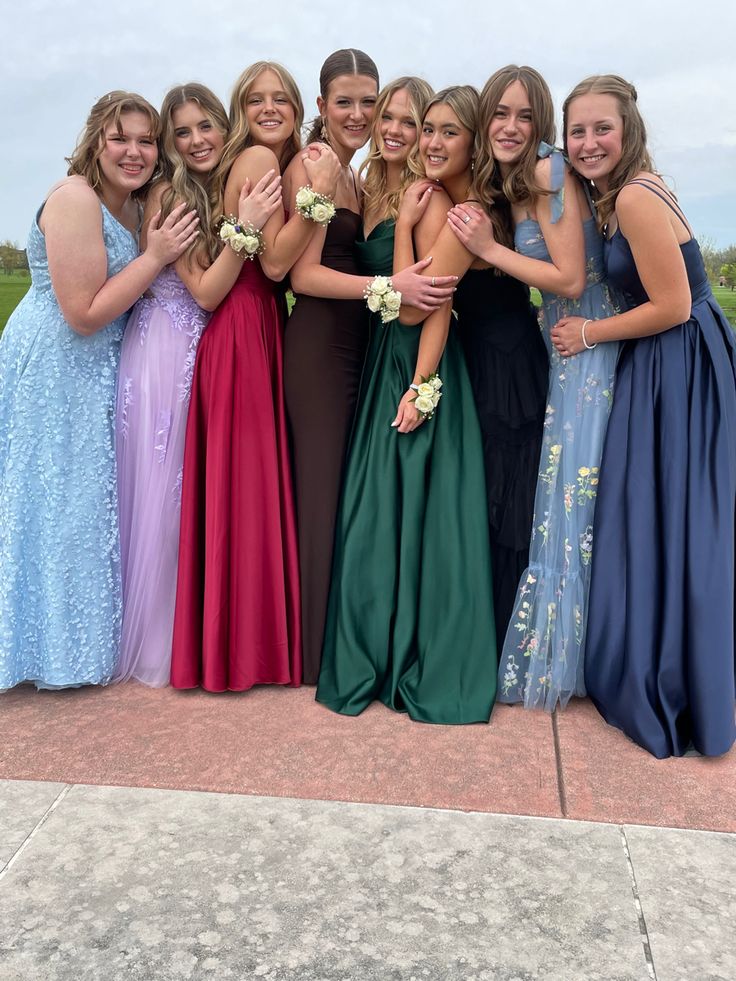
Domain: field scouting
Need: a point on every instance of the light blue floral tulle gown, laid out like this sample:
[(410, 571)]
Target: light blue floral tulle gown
[(60, 606), (542, 658)]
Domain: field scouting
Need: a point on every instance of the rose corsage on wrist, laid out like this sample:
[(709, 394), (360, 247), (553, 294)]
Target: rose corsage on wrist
[(382, 298), (428, 395), (245, 240), (314, 206)]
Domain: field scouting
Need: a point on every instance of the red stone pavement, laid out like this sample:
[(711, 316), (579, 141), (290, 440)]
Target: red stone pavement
[(280, 742)]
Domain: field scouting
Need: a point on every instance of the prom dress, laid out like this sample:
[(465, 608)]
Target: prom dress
[(508, 369), (154, 384), (543, 654), (60, 599), (660, 648), (410, 615), (324, 351), (236, 622)]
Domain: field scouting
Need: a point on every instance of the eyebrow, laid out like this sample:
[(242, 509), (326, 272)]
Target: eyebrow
[(502, 105)]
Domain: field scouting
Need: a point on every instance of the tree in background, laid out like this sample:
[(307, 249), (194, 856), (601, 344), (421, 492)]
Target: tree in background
[(13, 258)]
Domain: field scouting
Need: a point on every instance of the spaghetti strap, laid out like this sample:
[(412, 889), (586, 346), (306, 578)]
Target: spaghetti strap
[(667, 196)]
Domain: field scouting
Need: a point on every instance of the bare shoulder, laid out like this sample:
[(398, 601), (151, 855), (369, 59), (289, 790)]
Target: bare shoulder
[(72, 201), (295, 171), (543, 172), (257, 157)]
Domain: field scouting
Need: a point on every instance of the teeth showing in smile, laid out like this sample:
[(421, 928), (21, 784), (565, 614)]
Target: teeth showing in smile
[(592, 159), (132, 168), (393, 144), (200, 154), (437, 161), (270, 123)]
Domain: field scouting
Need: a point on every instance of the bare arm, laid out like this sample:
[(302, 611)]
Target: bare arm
[(564, 275), (653, 234), (209, 285), (436, 327), (72, 224)]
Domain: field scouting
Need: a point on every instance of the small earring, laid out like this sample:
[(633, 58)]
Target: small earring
[(323, 132)]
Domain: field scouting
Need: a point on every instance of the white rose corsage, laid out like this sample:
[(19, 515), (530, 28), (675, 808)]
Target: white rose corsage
[(428, 395), (245, 240), (382, 298), (314, 206)]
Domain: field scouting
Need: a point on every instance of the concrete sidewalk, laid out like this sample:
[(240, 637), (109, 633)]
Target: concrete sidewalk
[(112, 883)]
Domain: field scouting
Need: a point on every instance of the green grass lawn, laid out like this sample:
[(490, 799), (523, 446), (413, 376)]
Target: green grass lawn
[(13, 288)]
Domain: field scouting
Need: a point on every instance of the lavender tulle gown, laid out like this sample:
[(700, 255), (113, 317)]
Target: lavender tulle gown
[(154, 382)]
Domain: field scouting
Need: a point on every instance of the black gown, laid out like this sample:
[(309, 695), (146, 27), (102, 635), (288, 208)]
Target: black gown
[(508, 367)]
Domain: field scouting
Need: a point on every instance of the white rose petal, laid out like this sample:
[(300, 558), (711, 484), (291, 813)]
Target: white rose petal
[(380, 285), (425, 389), (305, 197), (393, 300), (424, 404), (374, 303), (226, 232), (251, 244), (436, 383), (321, 213)]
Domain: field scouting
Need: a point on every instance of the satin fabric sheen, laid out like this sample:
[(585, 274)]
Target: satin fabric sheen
[(410, 615), (660, 643)]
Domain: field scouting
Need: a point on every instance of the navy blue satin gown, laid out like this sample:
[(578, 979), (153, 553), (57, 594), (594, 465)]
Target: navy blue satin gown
[(660, 641)]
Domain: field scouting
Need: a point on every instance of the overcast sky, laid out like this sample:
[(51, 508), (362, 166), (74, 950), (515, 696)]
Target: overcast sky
[(56, 59)]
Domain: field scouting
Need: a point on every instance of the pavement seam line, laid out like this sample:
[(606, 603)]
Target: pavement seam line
[(40, 823), (562, 795), (644, 932)]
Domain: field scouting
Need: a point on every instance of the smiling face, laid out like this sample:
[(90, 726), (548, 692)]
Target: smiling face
[(397, 128), (510, 128), (348, 110), (128, 155), (445, 145), (269, 111), (594, 136), (196, 138)]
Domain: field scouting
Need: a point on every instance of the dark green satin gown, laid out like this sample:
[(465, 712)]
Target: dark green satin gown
[(410, 614)]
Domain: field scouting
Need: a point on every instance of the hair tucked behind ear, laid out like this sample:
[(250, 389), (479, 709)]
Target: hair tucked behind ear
[(378, 199), (346, 61), (635, 156), (520, 186)]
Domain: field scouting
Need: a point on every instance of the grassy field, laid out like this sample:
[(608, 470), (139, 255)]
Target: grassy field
[(13, 288)]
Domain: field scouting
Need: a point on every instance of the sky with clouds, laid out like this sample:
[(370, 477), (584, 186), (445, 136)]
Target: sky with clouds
[(56, 59)]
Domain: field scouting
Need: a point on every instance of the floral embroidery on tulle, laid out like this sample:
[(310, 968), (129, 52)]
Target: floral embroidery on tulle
[(542, 658), (127, 399)]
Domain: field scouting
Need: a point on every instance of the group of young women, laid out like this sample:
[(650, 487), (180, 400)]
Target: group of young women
[(405, 502)]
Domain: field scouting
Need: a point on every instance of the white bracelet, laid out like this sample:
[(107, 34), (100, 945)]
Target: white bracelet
[(588, 347)]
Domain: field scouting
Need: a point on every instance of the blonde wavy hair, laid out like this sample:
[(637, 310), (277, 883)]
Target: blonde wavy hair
[(379, 200), (197, 191), (240, 135), (85, 158), (520, 186), (635, 156)]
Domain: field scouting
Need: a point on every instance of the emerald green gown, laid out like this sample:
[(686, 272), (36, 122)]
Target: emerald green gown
[(410, 614)]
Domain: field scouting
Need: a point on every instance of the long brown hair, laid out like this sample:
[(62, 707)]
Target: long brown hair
[(85, 158), (346, 61), (378, 198), (240, 135), (520, 186), (197, 191), (635, 156)]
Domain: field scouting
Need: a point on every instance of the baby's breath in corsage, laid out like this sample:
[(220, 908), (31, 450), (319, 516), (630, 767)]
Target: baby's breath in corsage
[(382, 298), (245, 240), (428, 395), (314, 206)]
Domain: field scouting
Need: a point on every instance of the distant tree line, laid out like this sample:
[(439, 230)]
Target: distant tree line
[(13, 259), (719, 262)]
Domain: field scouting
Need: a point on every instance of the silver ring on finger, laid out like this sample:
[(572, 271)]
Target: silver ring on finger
[(466, 218), (433, 281)]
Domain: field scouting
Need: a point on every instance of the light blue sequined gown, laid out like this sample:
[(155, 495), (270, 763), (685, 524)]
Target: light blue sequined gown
[(542, 657), (60, 606)]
